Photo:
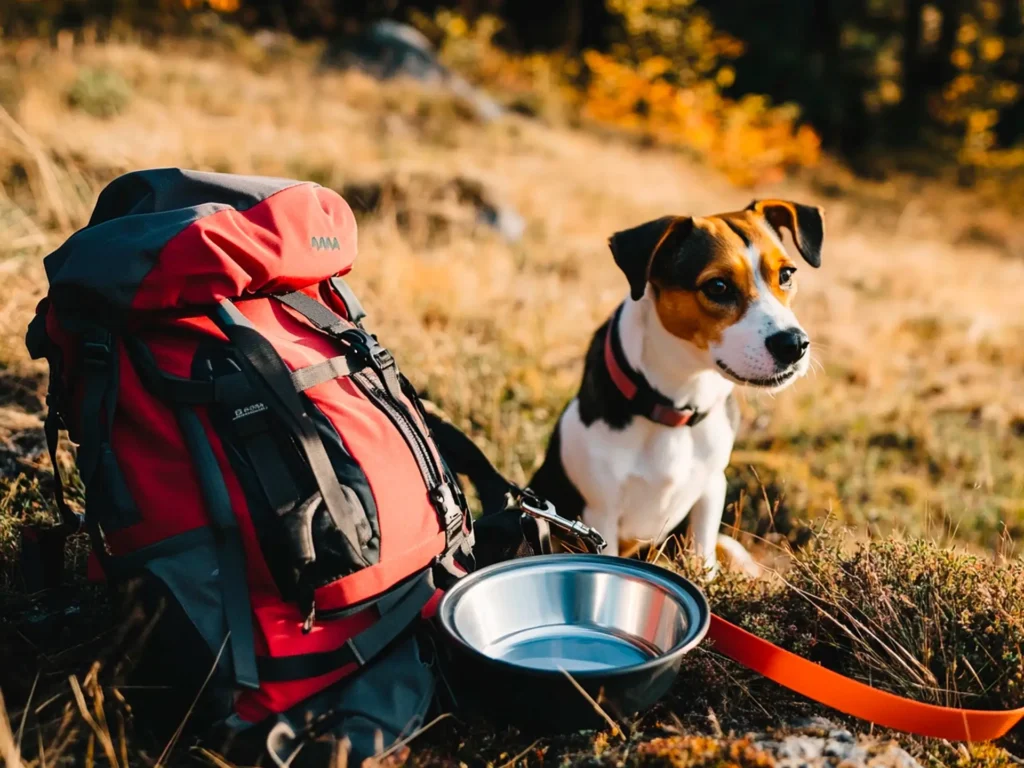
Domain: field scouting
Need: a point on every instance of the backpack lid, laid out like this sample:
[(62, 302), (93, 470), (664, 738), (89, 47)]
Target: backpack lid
[(177, 239)]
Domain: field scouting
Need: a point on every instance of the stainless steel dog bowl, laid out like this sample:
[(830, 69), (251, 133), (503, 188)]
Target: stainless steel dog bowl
[(619, 628)]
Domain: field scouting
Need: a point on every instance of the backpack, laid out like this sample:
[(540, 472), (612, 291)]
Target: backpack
[(252, 455)]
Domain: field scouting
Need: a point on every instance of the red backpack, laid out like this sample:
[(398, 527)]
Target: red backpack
[(246, 447)]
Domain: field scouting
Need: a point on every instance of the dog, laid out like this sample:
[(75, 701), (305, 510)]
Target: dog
[(644, 444)]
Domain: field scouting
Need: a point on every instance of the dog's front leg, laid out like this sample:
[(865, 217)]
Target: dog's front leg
[(706, 518), (607, 524)]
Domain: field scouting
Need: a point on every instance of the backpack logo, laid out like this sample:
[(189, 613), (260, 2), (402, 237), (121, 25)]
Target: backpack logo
[(249, 410), (324, 244)]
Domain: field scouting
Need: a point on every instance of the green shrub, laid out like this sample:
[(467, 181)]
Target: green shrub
[(100, 92)]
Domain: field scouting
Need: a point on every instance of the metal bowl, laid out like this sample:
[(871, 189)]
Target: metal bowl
[(519, 630)]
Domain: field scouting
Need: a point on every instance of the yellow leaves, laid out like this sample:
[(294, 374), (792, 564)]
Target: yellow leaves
[(456, 26), (961, 59), (890, 92), (959, 86), (982, 120), (967, 33), (992, 48), (1005, 92), (664, 82), (655, 66), (990, 10), (748, 140)]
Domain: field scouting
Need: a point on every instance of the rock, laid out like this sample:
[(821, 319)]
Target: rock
[(818, 742), (427, 205), (387, 49)]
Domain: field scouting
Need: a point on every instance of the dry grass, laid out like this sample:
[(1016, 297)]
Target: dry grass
[(913, 420)]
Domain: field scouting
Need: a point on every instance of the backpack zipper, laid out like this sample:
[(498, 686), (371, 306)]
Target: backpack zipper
[(398, 416), (385, 391)]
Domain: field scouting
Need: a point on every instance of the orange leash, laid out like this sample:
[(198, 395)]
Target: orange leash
[(854, 698)]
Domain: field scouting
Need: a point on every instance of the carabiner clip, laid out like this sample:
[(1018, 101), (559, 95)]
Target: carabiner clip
[(542, 509)]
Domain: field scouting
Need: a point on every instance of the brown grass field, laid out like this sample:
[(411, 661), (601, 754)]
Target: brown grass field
[(905, 443)]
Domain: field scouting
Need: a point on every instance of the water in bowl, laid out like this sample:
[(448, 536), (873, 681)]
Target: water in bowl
[(572, 647)]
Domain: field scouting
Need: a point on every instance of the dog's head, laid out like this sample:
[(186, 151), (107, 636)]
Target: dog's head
[(725, 285)]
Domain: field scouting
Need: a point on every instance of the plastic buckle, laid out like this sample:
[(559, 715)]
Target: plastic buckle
[(381, 357), (96, 351), (366, 346), (448, 510)]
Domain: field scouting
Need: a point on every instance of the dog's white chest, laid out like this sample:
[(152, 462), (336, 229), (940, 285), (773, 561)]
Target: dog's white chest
[(643, 479)]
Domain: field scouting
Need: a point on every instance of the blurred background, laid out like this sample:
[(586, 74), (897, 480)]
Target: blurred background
[(489, 149), (929, 87)]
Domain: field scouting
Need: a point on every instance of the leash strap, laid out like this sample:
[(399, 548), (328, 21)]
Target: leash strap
[(855, 698)]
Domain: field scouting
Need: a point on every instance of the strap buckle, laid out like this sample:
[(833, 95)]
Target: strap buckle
[(531, 504), (448, 510), (368, 347), (96, 350)]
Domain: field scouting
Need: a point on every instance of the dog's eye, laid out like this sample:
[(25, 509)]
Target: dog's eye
[(717, 289), (786, 275)]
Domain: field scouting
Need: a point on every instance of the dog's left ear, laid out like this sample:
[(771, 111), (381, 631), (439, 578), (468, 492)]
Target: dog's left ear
[(634, 249), (805, 222)]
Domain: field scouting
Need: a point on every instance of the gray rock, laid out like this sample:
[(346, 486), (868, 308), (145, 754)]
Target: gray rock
[(428, 202), (818, 743), (387, 49)]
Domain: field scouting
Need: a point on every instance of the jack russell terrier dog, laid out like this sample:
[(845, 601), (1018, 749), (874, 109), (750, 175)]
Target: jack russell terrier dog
[(646, 441)]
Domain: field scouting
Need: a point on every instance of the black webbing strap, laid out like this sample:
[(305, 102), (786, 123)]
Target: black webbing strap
[(175, 389), (249, 418), (254, 430), (353, 308), (230, 552), (71, 520), (314, 375), (99, 391), (398, 610), (269, 369), (311, 309), (358, 340)]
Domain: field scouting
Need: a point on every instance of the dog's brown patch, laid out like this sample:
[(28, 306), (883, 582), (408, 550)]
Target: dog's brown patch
[(772, 258), (686, 311), (773, 261)]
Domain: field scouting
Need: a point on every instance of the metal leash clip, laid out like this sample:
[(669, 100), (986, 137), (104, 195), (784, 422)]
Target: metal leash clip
[(542, 509)]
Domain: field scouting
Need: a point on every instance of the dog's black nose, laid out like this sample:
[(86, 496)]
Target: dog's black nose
[(788, 346)]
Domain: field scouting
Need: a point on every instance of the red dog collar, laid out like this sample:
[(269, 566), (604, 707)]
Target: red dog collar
[(645, 400)]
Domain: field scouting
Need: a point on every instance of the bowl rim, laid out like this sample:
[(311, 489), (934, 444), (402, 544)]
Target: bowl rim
[(446, 610)]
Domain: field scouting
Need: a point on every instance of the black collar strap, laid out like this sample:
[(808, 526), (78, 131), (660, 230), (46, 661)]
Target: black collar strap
[(644, 399)]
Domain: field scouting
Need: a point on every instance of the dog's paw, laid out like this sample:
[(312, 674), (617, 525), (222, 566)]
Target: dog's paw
[(734, 557)]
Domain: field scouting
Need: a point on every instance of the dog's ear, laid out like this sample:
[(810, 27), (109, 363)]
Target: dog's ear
[(634, 249), (805, 222)]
